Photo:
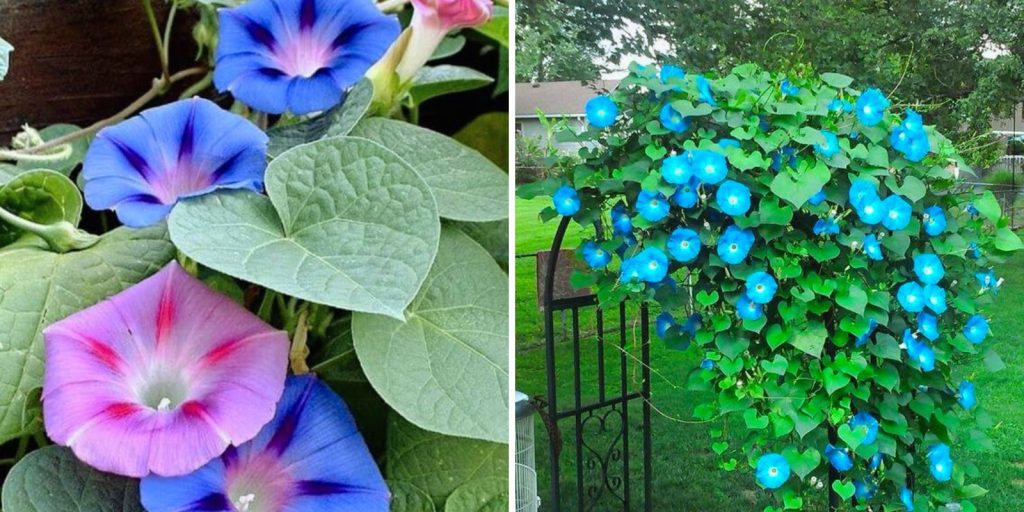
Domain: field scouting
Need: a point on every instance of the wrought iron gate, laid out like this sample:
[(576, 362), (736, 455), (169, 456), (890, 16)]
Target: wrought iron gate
[(606, 475)]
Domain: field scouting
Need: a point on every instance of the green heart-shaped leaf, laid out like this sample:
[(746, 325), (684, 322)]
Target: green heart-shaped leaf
[(852, 438), (731, 366), (755, 421), (843, 489), (778, 365), (798, 189), (834, 380), (810, 340), (719, 447), (776, 336), (802, 463), (706, 299), (53, 479), (348, 224), (655, 152)]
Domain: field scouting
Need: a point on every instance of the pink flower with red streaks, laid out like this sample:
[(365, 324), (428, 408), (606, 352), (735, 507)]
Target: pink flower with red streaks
[(160, 378)]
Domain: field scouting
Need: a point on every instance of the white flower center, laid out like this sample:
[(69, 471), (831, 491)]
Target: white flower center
[(733, 200), (243, 502), (773, 471), (927, 271), (653, 265), (869, 209), (164, 405), (733, 247), (894, 214), (759, 287), (684, 244), (654, 203), (867, 109)]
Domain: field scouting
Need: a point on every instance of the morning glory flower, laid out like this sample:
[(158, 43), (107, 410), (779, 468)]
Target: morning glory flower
[(919, 351), (897, 213), (788, 89), (976, 329), (652, 265), (298, 55), (911, 297), (566, 201), (935, 298), (595, 256), (825, 227), (866, 335), (910, 138), (785, 156), (747, 309), (704, 91), (928, 268), (601, 111), (871, 107), (838, 458), (907, 498), (676, 169), (772, 470), (973, 250), (668, 72), (652, 206), (761, 287), (871, 211), (971, 210), (934, 221), (734, 244), (622, 224), (872, 247), (928, 325), (691, 324), (864, 489), (629, 271), (733, 198), (141, 166), (817, 198), (862, 190), (838, 105), (684, 245), (830, 147), (875, 461), (707, 364), (867, 424), (310, 456), (685, 195), (988, 281), (966, 395), (672, 120), (728, 143), (160, 378), (940, 462), (663, 323), (709, 167)]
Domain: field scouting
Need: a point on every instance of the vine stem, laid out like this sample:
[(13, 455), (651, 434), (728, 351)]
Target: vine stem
[(154, 26), (159, 84)]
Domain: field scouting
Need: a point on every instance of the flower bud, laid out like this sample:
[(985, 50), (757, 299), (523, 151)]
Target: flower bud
[(431, 20)]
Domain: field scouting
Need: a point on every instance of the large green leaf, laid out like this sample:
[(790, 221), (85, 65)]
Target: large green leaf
[(335, 122), (39, 287), (41, 196), (798, 189), (65, 166), (445, 368), (484, 495), (51, 479), (406, 497), (440, 464), (433, 81), (498, 26), (488, 134), (348, 224), (466, 184), (493, 236)]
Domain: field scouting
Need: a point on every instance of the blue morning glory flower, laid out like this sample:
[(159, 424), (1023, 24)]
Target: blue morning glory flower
[(866, 335), (663, 323), (601, 111), (728, 143), (566, 201), (911, 297), (785, 156), (788, 89), (826, 227), (966, 395), (973, 250), (709, 167), (940, 462), (897, 213), (652, 265), (652, 206), (910, 138), (861, 191), (839, 458), (684, 245), (971, 210), (668, 282), (143, 165), (872, 247), (935, 298), (734, 244), (672, 120), (310, 456), (928, 325), (622, 224), (919, 351), (871, 107), (772, 470), (733, 198), (707, 364), (595, 256), (871, 211), (691, 324), (686, 194), (976, 329), (668, 71), (907, 498), (934, 221), (761, 287), (988, 281), (704, 91), (928, 268), (867, 424), (865, 489), (838, 105), (830, 147), (630, 270), (875, 461), (748, 309), (298, 55), (817, 198), (676, 169)]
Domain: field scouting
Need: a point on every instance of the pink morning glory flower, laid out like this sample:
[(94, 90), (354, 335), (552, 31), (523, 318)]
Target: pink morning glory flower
[(309, 457), (160, 378), (431, 20)]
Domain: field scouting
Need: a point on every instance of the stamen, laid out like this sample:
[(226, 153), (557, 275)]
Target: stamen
[(164, 405), (243, 502)]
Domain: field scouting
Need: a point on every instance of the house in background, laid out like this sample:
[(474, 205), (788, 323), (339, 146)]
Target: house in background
[(556, 100)]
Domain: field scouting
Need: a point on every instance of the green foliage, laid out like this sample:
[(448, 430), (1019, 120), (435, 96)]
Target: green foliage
[(433, 81), (798, 372), (41, 196), (334, 123), (52, 479), (550, 46)]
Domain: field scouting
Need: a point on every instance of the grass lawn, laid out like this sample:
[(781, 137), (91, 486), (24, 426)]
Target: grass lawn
[(686, 474)]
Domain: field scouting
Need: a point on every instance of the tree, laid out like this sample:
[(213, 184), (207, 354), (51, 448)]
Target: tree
[(550, 46)]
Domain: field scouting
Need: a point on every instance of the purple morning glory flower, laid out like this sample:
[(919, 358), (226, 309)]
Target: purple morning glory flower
[(872, 247), (966, 395), (911, 297), (299, 55), (761, 287), (867, 424), (310, 456), (652, 206), (928, 268), (160, 378), (838, 458), (748, 309), (733, 198), (684, 245), (686, 194), (595, 256), (672, 120), (141, 166), (928, 325), (976, 329)]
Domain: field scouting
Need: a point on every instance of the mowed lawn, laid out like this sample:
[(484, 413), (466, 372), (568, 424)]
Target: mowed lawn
[(686, 473)]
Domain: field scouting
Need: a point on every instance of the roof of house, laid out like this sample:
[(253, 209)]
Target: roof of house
[(558, 98)]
